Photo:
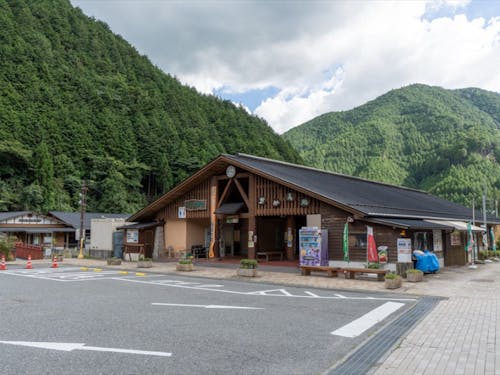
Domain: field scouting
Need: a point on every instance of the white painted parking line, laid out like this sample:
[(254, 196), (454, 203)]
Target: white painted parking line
[(360, 325), (272, 292), (208, 306), (265, 293), (311, 294), (69, 347), (67, 274)]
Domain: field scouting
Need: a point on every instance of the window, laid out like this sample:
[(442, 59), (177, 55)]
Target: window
[(423, 241), (358, 240)]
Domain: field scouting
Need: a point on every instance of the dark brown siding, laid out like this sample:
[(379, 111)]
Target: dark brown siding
[(455, 255), (333, 219), (271, 191), (200, 192)]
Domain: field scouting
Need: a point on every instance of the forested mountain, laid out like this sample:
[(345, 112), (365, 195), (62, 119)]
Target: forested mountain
[(78, 102), (446, 142)]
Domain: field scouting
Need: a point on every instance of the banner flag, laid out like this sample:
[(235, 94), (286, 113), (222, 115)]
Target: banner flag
[(493, 242), (372, 247), (346, 242), (470, 239)]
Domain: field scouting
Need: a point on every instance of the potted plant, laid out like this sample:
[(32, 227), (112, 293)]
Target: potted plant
[(248, 268), (393, 281), (143, 262), (114, 261), (185, 265), (414, 276)]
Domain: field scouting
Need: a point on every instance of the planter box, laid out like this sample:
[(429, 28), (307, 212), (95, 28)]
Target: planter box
[(393, 283), (144, 264), (113, 262), (414, 277), (184, 267), (247, 272)]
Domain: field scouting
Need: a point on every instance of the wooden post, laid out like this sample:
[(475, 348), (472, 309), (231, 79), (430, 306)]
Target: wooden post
[(213, 217), (252, 225), (290, 237)]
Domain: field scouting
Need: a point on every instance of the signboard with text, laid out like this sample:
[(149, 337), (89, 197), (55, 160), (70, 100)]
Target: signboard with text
[(404, 250)]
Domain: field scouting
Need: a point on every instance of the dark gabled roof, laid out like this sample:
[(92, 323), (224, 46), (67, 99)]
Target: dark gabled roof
[(368, 197), (11, 214), (358, 196), (73, 218)]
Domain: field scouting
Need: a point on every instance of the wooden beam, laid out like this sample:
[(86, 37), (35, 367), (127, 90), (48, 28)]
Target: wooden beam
[(242, 192), (224, 193)]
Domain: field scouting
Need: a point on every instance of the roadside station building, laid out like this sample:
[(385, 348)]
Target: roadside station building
[(251, 207)]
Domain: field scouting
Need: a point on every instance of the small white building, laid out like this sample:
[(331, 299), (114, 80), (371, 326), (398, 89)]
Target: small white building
[(101, 240)]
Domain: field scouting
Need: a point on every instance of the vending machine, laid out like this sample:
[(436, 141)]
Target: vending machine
[(313, 246)]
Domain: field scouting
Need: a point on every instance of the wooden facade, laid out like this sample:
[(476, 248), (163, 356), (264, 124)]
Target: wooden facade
[(200, 192), (232, 207)]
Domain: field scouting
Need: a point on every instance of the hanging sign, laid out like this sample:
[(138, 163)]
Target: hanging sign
[(132, 235), (181, 213), (195, 205), (456, 238), (232, 219)]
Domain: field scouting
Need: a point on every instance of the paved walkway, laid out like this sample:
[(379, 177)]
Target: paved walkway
[(460, 336)]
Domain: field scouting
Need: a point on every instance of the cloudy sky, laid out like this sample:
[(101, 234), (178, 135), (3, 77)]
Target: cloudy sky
[(289, 61)]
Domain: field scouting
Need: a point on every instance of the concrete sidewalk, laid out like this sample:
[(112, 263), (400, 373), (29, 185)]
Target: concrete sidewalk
[(460, 336)]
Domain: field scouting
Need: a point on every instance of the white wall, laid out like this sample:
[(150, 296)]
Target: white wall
[(101, 233)]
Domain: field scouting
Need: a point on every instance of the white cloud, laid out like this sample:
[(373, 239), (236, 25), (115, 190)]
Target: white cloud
[(323, 56)]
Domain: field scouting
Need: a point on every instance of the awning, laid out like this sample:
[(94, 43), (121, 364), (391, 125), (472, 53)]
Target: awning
[(410, 223), (458, 225), (426, 224), (229, 208), (36, 230), (140, 225)]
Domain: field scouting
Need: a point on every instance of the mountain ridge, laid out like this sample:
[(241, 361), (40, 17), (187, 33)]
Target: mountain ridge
[(78, 102), (419, 136)]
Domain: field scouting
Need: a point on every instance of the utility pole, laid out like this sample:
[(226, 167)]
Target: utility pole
[(484, 219), (474, 245), (83, 205)]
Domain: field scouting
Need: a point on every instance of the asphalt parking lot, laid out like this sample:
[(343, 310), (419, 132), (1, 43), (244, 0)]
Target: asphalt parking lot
[(94, 321)]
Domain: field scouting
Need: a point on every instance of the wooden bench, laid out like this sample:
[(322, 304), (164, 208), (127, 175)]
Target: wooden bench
[(268, 254), (351, 272), (198, 251), (331, 271), (133, 249)]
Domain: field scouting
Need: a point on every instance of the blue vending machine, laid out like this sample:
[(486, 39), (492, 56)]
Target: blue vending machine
[(313, 246)]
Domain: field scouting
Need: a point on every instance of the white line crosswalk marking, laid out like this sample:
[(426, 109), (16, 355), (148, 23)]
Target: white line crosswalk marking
[(362, 324)]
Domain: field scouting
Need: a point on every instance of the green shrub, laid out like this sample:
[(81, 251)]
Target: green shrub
[(6, 246), (248, 263), (373, 265), (483, 255), (144, 259), (413, 270), (391, 276), (185, 261)]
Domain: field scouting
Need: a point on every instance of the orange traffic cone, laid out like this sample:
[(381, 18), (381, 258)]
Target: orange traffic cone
[(2, 265), (28, 265), (54, 262)]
